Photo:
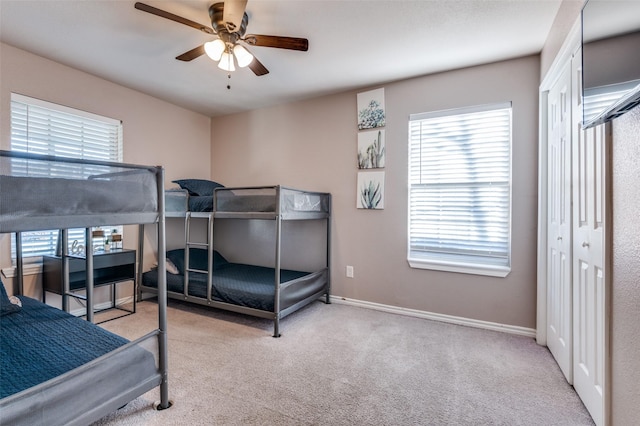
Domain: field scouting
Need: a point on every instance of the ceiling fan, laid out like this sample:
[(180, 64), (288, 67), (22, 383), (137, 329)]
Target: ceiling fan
[(229, 22)]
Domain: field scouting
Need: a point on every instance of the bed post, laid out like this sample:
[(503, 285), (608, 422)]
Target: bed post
[(64, 255), (162, 297), (89, 271), (140, 269), (328, 296), (276, 301), (18, 286), (210, 248)]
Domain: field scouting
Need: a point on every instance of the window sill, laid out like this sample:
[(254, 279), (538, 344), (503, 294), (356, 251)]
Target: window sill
[(474, 269), (27, 269)]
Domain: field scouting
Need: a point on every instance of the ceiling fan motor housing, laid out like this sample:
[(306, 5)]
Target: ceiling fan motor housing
[(216, 12)]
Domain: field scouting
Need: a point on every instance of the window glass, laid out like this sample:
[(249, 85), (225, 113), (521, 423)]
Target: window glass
[(460, 190)]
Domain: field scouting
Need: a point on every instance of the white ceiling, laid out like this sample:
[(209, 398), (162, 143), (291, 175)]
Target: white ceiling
[(352, 43)]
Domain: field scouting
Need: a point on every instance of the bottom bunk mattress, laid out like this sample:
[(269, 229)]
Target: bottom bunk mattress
[(245, 285), (40, 342), (60, 369)]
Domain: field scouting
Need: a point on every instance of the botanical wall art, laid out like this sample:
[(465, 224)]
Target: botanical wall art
[(371, 149), (371, 109), (370, 190)]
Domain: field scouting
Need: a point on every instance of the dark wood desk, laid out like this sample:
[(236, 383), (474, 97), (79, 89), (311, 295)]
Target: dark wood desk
[(109, 268)]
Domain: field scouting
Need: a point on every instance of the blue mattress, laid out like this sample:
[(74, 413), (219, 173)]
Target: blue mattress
[(239, 284), (41, 342)]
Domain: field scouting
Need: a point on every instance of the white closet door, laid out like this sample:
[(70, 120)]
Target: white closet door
[(559, 288), (591, 171), (589, 268)]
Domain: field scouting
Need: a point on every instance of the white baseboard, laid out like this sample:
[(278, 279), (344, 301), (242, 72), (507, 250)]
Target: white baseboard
[(469, 322), (512, 329)]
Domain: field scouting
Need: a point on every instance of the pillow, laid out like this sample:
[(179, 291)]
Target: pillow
[(198, 258), (171, 267), (15, 301), (6, 307), (198, 186)]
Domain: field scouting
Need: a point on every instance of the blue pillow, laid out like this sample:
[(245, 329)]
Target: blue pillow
[(198, 186), (197, 257), (6, 307)]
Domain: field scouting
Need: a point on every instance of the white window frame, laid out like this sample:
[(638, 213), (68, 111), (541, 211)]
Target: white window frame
[(33, 135), (430, 257)]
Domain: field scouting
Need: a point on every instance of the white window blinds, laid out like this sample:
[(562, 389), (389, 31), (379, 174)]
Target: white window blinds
[(460, 189), (45, 128)]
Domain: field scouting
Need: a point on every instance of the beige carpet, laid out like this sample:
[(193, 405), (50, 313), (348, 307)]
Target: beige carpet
[(342, 365)]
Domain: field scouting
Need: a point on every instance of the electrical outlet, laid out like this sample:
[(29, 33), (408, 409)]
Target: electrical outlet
[(349, 271)]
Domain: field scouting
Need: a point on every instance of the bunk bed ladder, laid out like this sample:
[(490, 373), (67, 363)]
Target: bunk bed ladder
[(208, 244)]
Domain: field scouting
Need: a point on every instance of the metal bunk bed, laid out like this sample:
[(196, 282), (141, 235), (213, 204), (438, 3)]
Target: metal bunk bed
[(270, 293), (90, 193)]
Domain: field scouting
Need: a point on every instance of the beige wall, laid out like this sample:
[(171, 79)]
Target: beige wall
[(566, 17), (155, 132), (312, 145), (625, 310)]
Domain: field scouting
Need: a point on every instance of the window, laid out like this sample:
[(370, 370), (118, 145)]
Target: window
[(41, 127), (460, 190)]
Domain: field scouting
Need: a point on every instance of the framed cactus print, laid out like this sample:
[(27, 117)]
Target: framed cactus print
[(371, 113), (370, 191), (371, 149)]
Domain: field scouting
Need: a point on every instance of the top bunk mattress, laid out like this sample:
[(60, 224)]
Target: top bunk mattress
[(265, 201), (288, 202), (179, 201), (39, 193)]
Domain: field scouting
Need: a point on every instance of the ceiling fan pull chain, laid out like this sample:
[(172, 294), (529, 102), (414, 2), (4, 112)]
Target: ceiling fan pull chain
[(229, 81)]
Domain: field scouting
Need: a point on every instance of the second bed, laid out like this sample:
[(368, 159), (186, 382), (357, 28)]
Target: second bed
[(271, 292)]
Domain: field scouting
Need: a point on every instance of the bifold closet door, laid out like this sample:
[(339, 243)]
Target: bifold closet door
[(578, 175), (559, 290), (590, 293)]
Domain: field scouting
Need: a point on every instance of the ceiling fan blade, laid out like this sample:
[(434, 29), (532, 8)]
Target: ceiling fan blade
[(192, 54), (167, 15), (257, 67), (233, 13), (292, 43)]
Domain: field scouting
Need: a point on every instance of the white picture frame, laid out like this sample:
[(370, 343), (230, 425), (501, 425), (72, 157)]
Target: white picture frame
[(371, 110), (370, 190), (371, 149)]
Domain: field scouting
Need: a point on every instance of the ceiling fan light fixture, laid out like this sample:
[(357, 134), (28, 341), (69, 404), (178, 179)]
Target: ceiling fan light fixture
[(229, 22), (242, 55), (226, 62), (214, 49)]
